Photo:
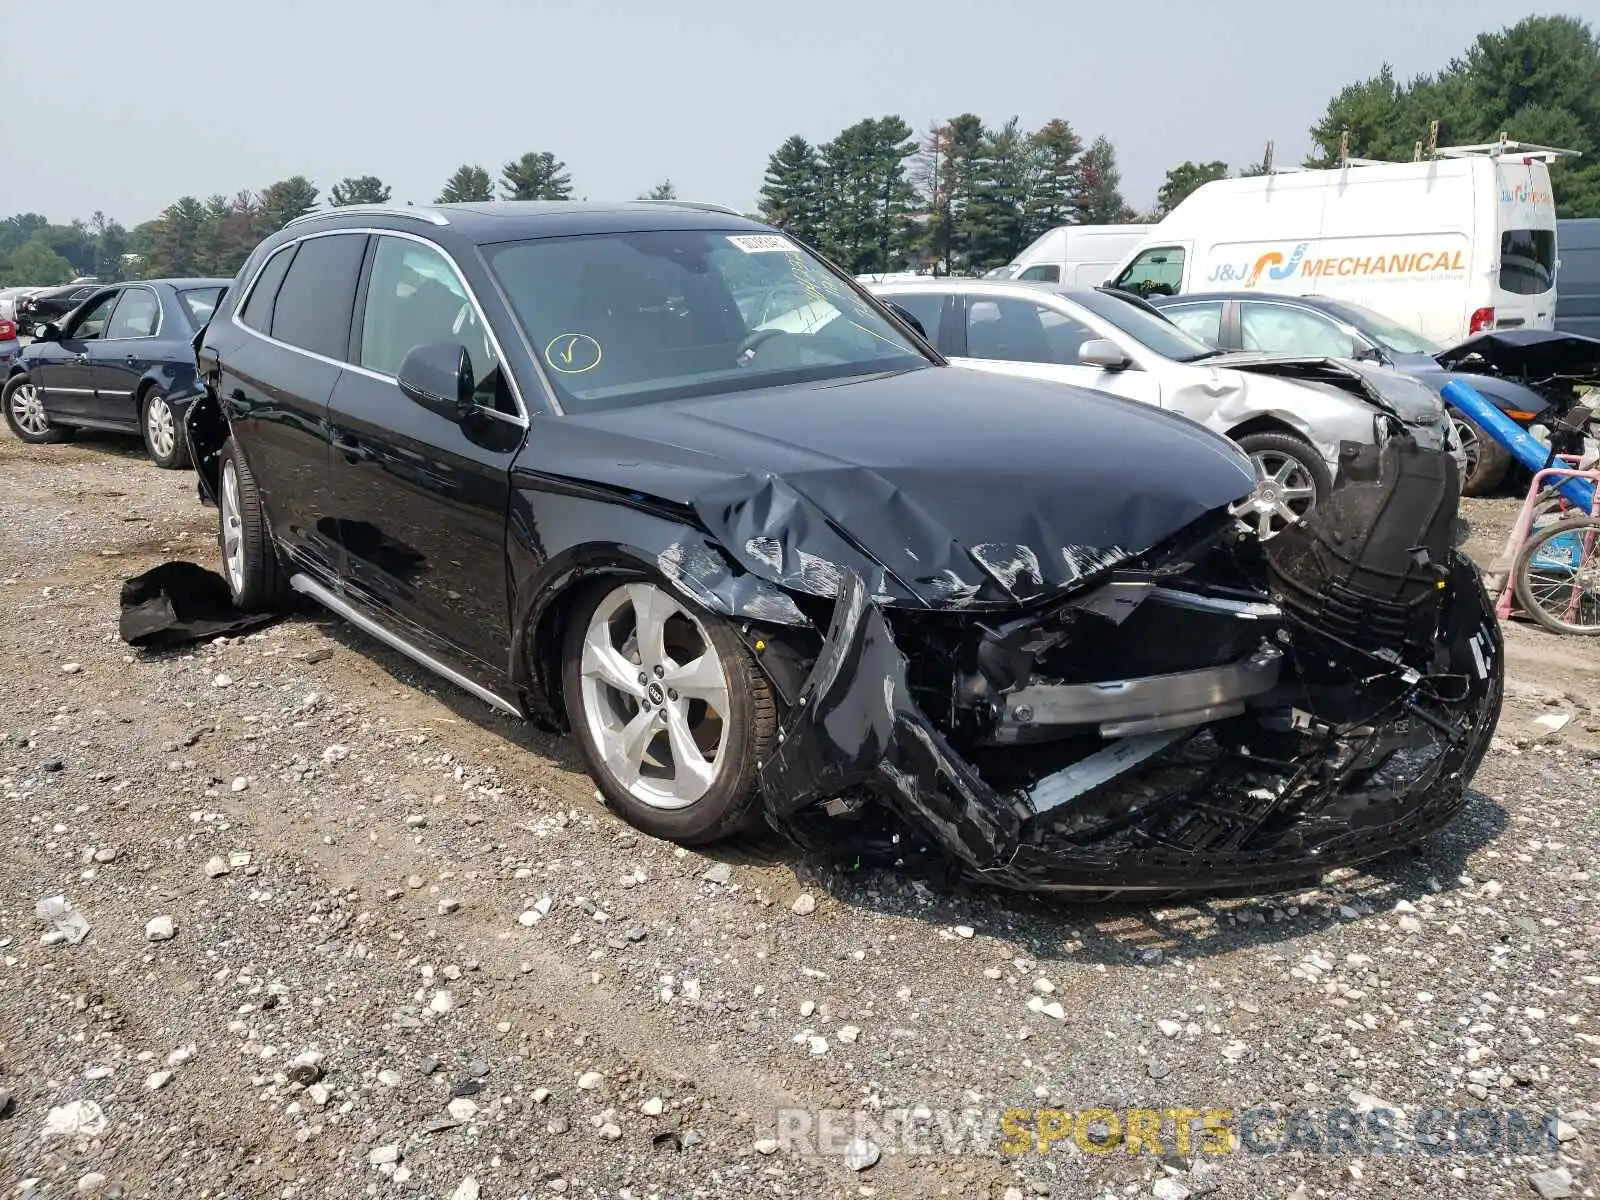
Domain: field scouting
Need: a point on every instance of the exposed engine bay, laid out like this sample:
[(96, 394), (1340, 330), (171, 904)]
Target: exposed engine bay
[(1216, 711)]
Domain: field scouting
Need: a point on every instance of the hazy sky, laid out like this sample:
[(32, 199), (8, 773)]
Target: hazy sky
[(123, 106)]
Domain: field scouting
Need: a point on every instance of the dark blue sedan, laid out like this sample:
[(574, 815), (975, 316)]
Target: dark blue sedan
[(122, 360)]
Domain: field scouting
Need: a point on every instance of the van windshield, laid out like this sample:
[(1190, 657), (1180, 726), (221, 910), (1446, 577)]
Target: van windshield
[(1527, 261)]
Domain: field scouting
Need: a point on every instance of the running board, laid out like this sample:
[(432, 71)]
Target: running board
[(307, 586)]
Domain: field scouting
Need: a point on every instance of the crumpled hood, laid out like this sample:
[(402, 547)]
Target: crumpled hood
[(1383, 387), (1536, 353), (943, 487)]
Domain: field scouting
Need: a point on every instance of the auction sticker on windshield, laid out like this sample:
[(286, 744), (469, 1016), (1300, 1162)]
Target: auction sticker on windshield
[(762, 243)]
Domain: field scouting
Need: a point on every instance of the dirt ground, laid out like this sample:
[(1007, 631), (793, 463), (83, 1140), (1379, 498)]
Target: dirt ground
[(352, 933)]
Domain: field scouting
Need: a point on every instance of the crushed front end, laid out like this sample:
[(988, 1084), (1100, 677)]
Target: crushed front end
[(1216, 712)]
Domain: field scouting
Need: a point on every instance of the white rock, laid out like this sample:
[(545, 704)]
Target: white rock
[(240, 783), (965, 931), (1552, 722), (383, 1154), (817, 1045), (238, 859), (766, 1146), (217, 866), (158, 1080), (610, 1131), (1234, 1051), (159, 929), (848, 1034), (1169, 1189), (652, 1107), (182, 1055), (91, 1183), (1169, 1028), (1043, 986), (71, 668), (807, 1007), (221, 681), (861, 1154), (389, 1078), (590, 1080), (462, 1109), (1409, 924), (79, 1118), (442, 1002), (335, 753), (448, 905), (319, 1094), (804, 904), (467, 1189)]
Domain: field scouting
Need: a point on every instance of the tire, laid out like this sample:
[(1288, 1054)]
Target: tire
[(256, 578), (1487, 460), (1298, 477), (1536, 587), (606, 702), (163, 440), (25, 415)]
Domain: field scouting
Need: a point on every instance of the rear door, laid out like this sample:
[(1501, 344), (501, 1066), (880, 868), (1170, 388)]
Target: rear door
[(1524, 284)]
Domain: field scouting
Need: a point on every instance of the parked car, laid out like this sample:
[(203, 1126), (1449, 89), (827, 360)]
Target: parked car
[(51, 304), (1076, 256), (1578, 276), (9, 298), (824, 577), (1462, 243), (1317, 325), (1119, 344), (10, 347), (123, 360)]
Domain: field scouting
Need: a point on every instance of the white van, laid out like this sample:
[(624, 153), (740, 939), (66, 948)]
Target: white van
[(1450, 246), (1076, 256)]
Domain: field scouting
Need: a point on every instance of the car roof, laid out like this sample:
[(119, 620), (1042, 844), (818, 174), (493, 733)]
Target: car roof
[(515, 220)]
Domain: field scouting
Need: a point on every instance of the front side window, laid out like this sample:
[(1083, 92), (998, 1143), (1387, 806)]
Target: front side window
[(1527, 261), (1144, 325), (1157, 271), (1021, 331), (1391, 335), (318, 295), (91, 322), (1279, 329), (1042, 274), (1203, 321), (138, 315), (636, 318), (415, 298)]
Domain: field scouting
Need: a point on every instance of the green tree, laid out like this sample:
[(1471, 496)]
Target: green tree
[(16, 230), (359, 189), (536, 176), (1099, 198), (1055, 147), (34, 263), (285, 200), (869, 197), (468, 185), (662, 191), (110, 244), (175, 247), (791, 190), (1186, 178), (995, 217)]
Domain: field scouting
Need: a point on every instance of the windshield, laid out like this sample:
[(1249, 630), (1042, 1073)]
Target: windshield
[(1145, 327), (200, 303), (1391, 335), (639, 318)]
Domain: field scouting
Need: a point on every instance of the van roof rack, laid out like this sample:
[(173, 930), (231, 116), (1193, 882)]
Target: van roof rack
[(413, 211), (698, 205), (1503, 146)]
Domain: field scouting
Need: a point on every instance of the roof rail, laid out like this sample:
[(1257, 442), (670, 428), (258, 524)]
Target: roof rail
[(1503, 146), (388, 210), (700, 205)]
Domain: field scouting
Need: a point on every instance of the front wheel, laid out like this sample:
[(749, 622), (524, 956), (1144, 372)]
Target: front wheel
[(1291, 480), (1487, 460), (671, 712), (1557, 576), (25, 414), (162, 440)]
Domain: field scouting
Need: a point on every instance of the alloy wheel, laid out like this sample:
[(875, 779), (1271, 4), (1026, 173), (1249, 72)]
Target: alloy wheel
[(1284, 493), (160, 426), (232, 528), (1469, 444), (28, 410), (654, 696)]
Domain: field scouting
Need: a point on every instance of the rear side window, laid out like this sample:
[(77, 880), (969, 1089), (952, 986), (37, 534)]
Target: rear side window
[(1527, 261), (257, 311), (1020, 331), (319, 294), (1203, 321)]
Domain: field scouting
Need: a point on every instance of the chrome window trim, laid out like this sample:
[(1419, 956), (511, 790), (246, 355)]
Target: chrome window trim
[(472, 298), (161, 313)]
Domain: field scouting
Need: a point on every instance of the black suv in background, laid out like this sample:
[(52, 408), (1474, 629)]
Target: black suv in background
[(758, 558)]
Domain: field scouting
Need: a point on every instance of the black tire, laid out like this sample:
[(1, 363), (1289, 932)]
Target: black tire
[(1287, 445), (260, 583), (1487, 460), (176, 457), (730, 805), (11, 396), (1522, 576)]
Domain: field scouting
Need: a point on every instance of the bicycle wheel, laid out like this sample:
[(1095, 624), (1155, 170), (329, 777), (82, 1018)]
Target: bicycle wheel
[(1557, 576)]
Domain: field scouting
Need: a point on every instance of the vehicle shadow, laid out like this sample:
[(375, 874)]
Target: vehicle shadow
[(1056, 928)]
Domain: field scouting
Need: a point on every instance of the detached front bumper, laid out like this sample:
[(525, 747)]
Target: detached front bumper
[(1351, 728)]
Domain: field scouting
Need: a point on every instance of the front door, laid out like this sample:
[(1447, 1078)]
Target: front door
[(64, 374), (119, 356), (420, 500)]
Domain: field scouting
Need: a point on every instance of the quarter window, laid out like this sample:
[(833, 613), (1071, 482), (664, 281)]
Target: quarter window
[(257, 311), (1022, 331), (926, 307), (318, 295), (91, 323), (1203, 321), (1157, 271), (414, 298), (1527, 261), (138, 315), (1279, 329)]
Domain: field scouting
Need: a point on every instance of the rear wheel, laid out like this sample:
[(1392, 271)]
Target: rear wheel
[(1557, 576), (162, 439), (671, 712), (25, 414), (249, 559), (1291, 480), (1487, 460)]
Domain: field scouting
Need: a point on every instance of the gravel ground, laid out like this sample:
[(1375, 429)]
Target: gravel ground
[(353, 933)]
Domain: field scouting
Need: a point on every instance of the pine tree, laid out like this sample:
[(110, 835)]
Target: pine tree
[(1055, 147), (469, 184), (662, 191), (1099, 199), (360, 189), (285, 200), (791, 190), (536, 176)]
